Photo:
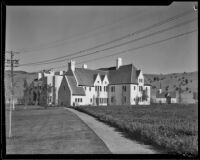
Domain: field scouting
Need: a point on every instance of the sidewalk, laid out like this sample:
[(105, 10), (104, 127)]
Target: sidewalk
[(114, 140)]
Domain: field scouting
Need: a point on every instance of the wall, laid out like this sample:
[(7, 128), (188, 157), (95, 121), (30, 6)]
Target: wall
[(64, 93), (76, 103), (118, 95), (58, 80)]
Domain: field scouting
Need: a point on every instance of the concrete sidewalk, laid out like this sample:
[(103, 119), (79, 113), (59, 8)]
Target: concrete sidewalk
[(114, 140)]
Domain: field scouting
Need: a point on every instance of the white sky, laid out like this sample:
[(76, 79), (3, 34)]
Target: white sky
[(45, 32)]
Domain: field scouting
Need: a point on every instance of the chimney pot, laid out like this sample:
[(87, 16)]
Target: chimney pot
[(85, 66), (119, 62), (71, 65)]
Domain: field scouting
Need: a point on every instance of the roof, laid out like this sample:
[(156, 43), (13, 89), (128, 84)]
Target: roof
[(73, 85), (125, 74), (164, 94), (85, 77)]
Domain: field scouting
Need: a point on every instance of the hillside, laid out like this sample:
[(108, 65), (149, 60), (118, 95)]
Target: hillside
[(19, 77), (170, 81)]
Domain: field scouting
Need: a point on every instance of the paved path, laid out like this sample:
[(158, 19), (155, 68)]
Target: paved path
[(51, 131), (114, 140)]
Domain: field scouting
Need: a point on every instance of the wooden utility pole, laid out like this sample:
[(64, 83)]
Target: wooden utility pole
[(11, 63)]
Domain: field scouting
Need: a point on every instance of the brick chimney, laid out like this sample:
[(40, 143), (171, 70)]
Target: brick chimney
[(118, 63)]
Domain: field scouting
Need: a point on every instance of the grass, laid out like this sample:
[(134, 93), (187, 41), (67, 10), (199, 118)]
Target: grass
[(173, 128), (50, 131)]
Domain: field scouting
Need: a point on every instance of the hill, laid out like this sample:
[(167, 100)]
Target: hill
[(173, 81), (167, 81), (19, 77)]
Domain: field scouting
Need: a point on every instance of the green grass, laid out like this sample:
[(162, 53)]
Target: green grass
[(173, 128), (50, 131)]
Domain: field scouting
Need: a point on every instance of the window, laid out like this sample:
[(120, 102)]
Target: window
[(141, 80), (124, 88), (80, 99), (113, 89), (91, 100), (90, 88), (134, 99), (134, 87), (112, 99), (100, 88), (95, 88), (85, 88), (75, 99), (104, 88)]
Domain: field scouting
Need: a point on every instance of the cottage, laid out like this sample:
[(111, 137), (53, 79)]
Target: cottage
[(166, 97)]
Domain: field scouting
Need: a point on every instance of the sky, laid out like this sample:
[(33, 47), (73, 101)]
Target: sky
[(45, 32)]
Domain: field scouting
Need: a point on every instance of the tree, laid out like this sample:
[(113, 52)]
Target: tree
[(25, 92)]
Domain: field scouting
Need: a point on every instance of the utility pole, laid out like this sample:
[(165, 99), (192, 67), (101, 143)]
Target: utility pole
[(11, 63)]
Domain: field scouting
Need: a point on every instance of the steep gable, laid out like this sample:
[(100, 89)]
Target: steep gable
[(73, 85), (86, 77)]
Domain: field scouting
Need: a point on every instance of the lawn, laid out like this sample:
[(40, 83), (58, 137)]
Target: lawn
[(37, 130), (174, 128)]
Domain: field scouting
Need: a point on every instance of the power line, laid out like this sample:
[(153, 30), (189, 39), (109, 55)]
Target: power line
[(57, 41), (135, 48), (118, 39), (118, 45)]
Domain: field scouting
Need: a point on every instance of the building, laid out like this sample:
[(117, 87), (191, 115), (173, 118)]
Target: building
[(165, 97), (44, 89), (120, 85)]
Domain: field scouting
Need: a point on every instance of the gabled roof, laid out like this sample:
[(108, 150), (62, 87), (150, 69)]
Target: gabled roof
[(102, 77), (86, 77), (73, 85), (125, 74)]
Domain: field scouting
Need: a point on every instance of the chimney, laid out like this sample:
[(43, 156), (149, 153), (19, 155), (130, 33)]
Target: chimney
[(52, 72), (40, 75), (160, 90), (61, 73), (85, 66), (71, 65), (119, 63)]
